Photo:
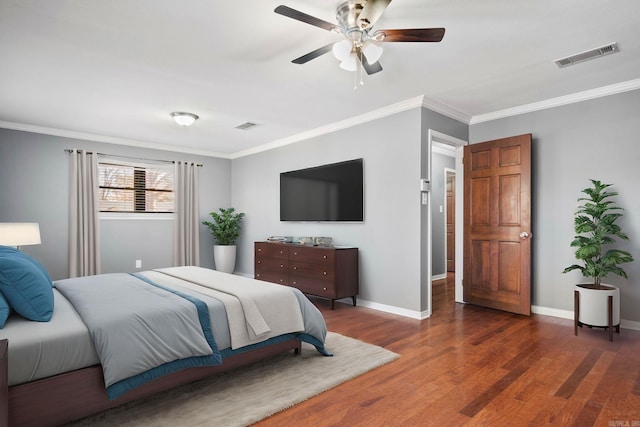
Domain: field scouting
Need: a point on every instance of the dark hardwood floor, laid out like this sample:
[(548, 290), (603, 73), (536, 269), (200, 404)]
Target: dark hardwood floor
[(468, 365)]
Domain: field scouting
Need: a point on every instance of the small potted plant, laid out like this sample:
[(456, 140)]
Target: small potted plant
[(596, 229), (225, 228)]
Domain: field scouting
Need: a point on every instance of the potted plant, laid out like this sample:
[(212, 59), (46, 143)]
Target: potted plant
[(596, 229), (225, 228)]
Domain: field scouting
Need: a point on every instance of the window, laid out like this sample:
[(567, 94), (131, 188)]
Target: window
[(136, 188)]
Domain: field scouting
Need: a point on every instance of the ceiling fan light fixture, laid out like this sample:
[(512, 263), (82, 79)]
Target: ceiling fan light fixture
[(342, 50), (349, 63), (184, 119), (372, 52), (378, 36)]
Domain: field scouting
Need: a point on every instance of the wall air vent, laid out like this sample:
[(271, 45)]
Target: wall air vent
[(246, 126), (587, 55)]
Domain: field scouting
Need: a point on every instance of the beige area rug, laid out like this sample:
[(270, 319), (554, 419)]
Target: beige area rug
[(247, 395)]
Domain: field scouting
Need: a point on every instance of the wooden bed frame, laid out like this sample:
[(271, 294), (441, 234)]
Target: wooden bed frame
[(77, 394)]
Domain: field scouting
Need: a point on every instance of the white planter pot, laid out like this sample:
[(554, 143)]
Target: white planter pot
[(225, 258), (593, 305)]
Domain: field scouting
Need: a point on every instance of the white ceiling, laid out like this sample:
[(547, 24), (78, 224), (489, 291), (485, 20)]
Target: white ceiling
[(115, 69)]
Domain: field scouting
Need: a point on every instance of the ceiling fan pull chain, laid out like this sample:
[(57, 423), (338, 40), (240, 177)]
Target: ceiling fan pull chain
[(355, 78)]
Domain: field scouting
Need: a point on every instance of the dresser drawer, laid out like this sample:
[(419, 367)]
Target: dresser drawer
[(318, 287), (280, 277), (271, 250), (312, 255), (263, 263), (312, 270)]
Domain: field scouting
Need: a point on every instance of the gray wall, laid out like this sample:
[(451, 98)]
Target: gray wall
[(596, 139), (390, 240), (592, 139), (34, 187)]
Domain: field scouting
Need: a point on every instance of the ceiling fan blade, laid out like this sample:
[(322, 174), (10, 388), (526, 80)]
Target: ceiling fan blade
[(412, 35), (371, 12), (313, 54), (369, 68), (303, 17)]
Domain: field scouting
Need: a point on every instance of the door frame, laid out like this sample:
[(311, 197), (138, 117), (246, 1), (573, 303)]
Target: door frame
[(435, 136)]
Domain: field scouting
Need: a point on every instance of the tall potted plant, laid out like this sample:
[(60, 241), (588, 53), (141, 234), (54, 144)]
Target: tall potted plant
[(596, 229), (225, 228)]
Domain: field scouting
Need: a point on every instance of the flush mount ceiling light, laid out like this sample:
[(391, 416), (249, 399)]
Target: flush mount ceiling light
[(184, 119)]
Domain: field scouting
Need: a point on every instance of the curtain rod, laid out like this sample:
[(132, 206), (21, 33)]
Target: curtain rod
[(69, 150)]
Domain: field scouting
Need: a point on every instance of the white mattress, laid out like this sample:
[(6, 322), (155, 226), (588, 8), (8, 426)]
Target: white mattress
[(65, 336)]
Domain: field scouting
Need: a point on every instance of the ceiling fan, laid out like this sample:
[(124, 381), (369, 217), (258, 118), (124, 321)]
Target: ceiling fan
[(355, 22)]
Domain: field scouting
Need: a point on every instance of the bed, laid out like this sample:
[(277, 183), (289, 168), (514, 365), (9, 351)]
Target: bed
[(114, 338)]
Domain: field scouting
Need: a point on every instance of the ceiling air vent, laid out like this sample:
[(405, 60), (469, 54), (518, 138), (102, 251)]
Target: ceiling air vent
[(587, 55), (246, 126)]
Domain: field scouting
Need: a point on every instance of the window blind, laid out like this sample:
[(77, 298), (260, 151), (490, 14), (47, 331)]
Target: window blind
[(135, 187)]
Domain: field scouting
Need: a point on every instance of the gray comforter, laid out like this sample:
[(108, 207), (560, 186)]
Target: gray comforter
[(142, 330)]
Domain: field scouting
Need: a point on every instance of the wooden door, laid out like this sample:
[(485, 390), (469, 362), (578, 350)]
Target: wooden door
[(451, 222), (497, 224)]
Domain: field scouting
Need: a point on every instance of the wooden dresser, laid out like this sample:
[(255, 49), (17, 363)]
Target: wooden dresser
[(324, 271)]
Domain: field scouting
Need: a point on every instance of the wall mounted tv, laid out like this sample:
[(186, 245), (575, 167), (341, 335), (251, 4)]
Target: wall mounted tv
[(332, 192)]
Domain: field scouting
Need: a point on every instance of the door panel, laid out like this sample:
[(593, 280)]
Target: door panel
[(451, 222), (497, 224)]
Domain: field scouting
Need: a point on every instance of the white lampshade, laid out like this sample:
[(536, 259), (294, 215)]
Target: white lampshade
[(184, 119), (349, 63), (342, 49), (372, 52), (19, 233)]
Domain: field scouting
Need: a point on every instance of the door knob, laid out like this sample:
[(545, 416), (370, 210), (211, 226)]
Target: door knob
[(524, 235)]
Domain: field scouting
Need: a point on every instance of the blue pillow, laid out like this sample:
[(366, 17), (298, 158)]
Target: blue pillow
[(4, 311), (13, 251), (26, 288)]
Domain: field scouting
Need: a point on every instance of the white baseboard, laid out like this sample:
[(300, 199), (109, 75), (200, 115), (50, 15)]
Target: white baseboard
[(553, 312), (568, 314), (439, 276), (421, 315), (544, 311), (390, 309)]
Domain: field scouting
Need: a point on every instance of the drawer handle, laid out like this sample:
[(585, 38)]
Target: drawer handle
[(324, 289), (281, 266), (295, 253), (280, 251), (257, 275), (324, 256), (259, 261), (281, 280), (294, 282), (325, 273), (259, 249), (295, 268)]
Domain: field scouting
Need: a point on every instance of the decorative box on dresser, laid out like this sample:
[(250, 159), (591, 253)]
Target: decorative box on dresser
[(325, 271)]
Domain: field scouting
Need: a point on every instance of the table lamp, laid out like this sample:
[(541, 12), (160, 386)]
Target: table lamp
[(19, 233)]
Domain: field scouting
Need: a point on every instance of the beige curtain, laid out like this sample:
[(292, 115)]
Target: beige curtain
[(84, 242), (186, 249)]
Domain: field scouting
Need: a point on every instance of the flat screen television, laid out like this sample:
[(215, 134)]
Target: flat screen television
[(332, 192)]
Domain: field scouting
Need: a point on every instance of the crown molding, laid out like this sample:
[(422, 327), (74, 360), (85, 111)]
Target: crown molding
[(446, 110), (558, 101), (419, 101), (333, 127), (108, 139)]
